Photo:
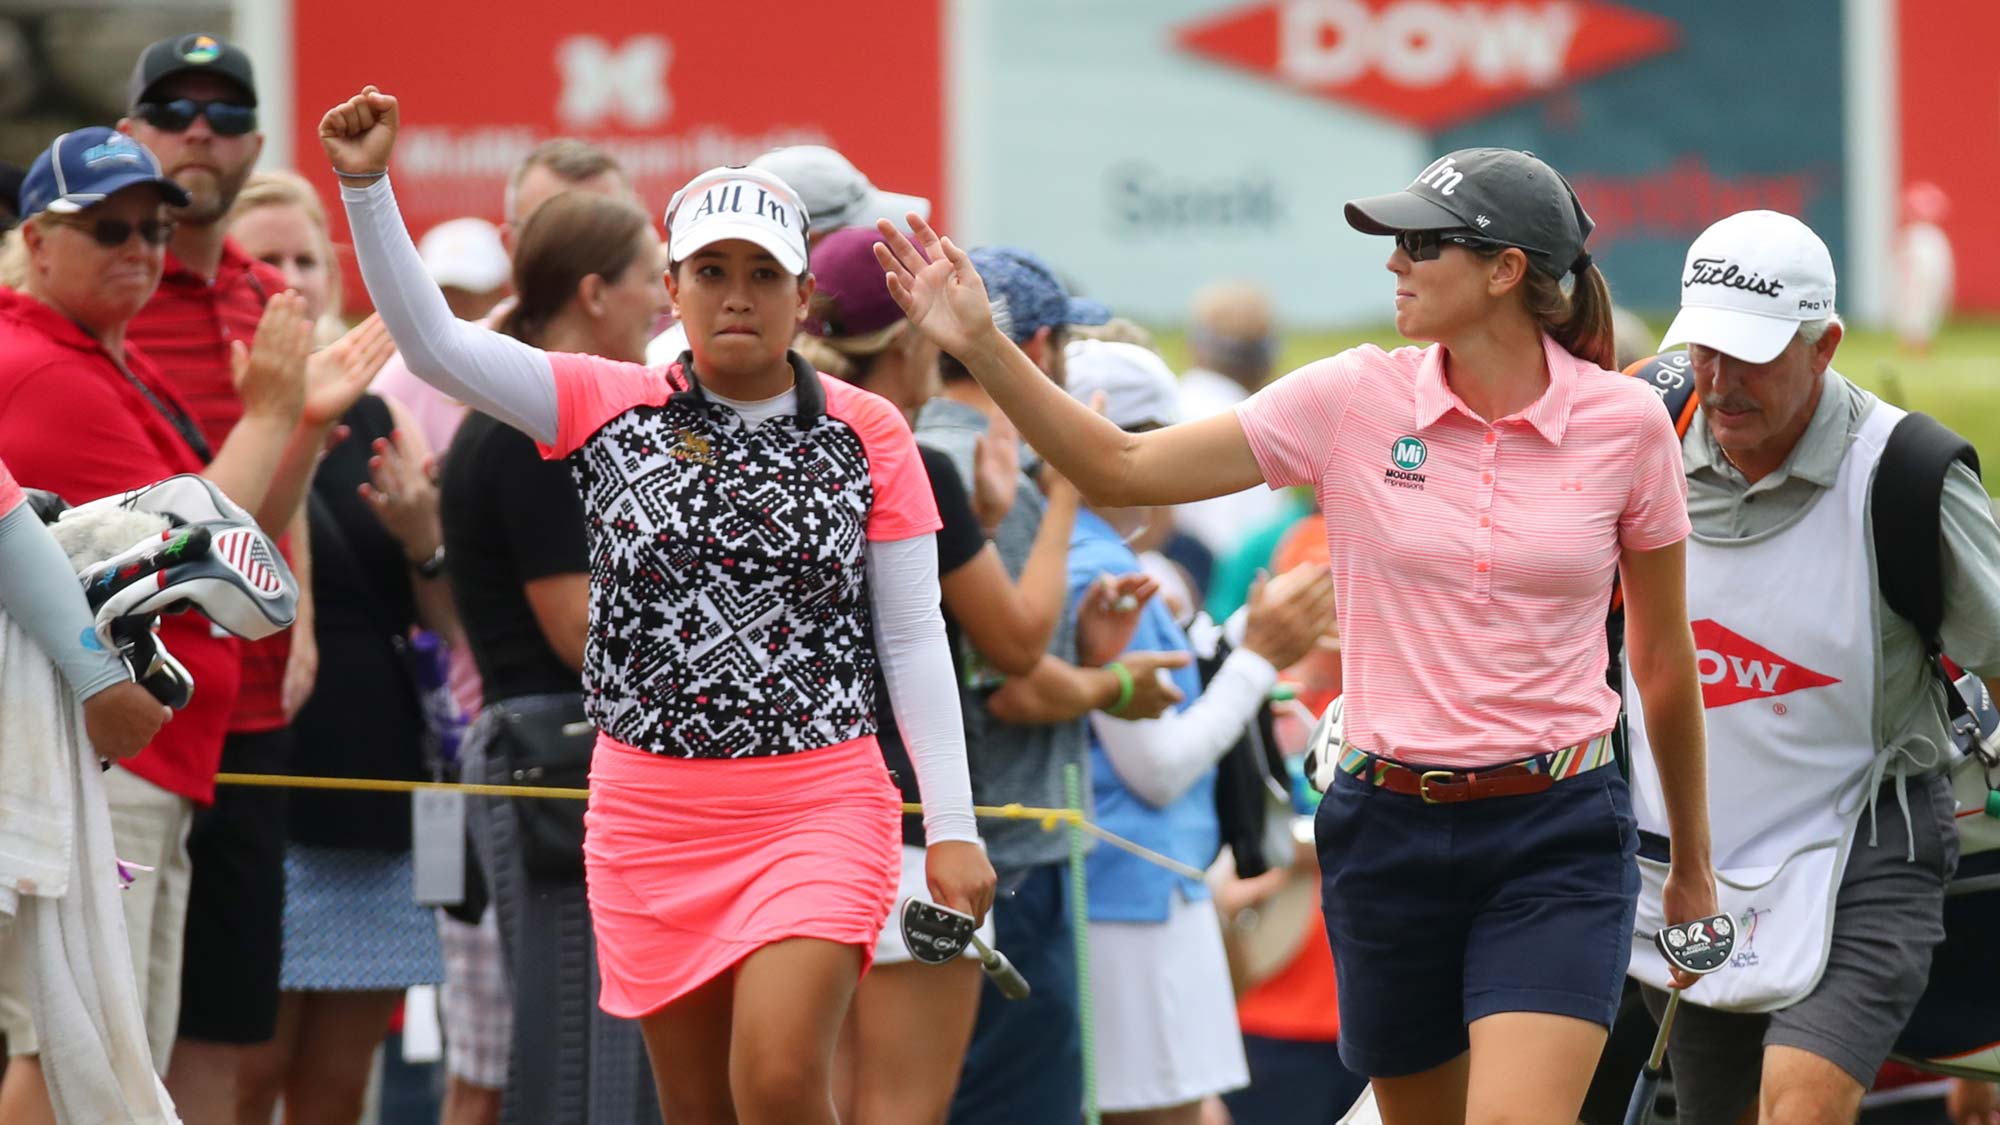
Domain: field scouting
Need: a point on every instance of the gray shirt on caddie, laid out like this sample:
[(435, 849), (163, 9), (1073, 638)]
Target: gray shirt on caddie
[(1010, 764), (1722, 506)]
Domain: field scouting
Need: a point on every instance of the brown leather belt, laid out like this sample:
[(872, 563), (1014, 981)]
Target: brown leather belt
[(1448, 787), (1509, 779)]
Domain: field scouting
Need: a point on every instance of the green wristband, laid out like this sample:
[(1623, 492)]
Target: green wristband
[(1124, 675)]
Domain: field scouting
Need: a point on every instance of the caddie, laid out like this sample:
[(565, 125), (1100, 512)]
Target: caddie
[(1832, 821)]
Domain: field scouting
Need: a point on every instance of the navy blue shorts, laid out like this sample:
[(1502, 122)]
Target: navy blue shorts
[(1442, 914)]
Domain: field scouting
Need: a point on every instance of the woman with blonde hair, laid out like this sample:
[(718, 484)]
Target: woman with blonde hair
[(278, 219)]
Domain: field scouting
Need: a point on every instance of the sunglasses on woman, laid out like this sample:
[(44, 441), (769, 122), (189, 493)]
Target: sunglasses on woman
[(228, 119), (113, 233), (1426, 245)]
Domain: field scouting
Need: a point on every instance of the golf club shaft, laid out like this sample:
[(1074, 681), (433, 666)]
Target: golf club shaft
[(1640, 1110), (1001, 971)]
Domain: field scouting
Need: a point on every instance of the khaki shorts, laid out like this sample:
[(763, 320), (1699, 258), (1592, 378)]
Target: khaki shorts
[(149, 827)]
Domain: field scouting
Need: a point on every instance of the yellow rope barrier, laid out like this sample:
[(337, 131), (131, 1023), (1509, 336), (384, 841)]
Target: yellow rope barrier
[(1050, 819)]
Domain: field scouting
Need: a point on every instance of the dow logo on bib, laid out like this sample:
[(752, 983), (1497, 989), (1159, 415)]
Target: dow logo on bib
[(1733, 668), (1407, 454)]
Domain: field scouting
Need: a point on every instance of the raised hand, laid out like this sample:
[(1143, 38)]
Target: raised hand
[(938, 289), (359, 133), (270, 374), (1109, 615), (337, 375)]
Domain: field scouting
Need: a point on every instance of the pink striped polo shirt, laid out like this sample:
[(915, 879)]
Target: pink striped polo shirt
[(1472, 562)]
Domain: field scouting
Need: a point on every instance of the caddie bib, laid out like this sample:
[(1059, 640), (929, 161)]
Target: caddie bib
[(1786, 650)]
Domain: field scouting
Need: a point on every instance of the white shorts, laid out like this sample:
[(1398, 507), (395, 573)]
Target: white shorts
[(889, 947), (1166, 1016), (149, 827)]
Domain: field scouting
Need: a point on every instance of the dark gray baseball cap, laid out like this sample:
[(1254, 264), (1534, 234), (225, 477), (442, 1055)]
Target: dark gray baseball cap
[(1500, 194), (183, 53)]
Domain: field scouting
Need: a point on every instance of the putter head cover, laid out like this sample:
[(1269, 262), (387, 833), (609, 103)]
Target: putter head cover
[(1699, 947), (935, 934), (161, 549), (1324, 748)]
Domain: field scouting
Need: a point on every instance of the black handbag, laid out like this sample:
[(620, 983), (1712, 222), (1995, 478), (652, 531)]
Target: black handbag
[(545, 740)]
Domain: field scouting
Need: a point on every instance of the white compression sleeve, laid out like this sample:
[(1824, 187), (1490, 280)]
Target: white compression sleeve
[(493, 373), (923, 689), (1158, 759), (38, 589)]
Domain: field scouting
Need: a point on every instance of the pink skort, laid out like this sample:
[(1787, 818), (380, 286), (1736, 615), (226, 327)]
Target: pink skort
[(694, 864)]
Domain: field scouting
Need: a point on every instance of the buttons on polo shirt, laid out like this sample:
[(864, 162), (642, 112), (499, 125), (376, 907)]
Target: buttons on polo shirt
[(1491, 437), (1486, 521), (1486, 478), (1482, 566)]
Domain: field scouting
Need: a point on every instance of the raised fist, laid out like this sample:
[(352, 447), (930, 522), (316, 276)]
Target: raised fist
[(359, 133)]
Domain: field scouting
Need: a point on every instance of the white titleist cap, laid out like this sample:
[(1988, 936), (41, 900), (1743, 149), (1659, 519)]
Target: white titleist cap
[(746, 203), (466, 254), (1140, 391), (1751, 279)]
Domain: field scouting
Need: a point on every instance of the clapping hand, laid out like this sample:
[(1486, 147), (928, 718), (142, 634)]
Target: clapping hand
[(400, 491), (270, 373), (337, 375), (1109, 615)]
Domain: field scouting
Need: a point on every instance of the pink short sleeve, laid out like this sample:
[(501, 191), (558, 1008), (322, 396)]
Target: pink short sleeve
[(1655, 512), (904, 506), (10, 492), (592, 390), (1291, 423)]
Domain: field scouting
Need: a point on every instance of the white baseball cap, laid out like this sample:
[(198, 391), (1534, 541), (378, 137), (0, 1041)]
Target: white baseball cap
[(1139, 389), (1750, 281), (465, 254), (835, 191), (746, 203)]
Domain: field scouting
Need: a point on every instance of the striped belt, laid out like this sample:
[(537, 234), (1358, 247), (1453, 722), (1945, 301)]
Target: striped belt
[(1443, 786)]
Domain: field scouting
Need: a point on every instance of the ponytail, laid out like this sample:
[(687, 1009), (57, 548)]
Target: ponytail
[(1580, 319)]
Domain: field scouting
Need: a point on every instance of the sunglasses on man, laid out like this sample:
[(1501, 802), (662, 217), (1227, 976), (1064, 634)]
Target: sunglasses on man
[(1426, 245), (228, 119), (113, 233)]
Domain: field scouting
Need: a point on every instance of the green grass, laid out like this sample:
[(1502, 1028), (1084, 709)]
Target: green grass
[(1958, 382)]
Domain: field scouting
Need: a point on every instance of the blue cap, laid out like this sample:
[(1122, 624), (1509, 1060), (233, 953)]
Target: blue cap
[(1027, 296), (84, 167)]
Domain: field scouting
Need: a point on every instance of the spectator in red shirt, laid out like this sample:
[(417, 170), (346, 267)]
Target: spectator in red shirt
[(84, 415), (192, 100)]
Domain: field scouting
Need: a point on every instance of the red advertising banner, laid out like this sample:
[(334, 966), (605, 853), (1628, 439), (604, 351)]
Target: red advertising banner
[(1950, 122), (669, 90)]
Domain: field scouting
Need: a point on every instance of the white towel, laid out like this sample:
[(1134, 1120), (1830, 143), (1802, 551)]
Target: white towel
[(37, 801), (67, 949)]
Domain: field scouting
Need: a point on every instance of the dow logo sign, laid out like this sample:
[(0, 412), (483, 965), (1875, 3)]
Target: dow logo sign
[(1733, 668), (1428, 63)]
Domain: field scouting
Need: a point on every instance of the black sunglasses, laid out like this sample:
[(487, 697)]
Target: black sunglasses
[(113, 233), (1426, 245), (228, 119)]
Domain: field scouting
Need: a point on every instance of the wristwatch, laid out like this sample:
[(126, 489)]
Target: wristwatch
[(433, 566)]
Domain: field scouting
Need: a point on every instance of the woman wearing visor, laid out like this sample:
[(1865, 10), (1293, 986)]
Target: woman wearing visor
[(1481, 494), (758, 534)]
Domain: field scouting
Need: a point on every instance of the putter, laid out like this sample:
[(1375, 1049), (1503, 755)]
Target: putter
[(936, 934), (1699, 947)]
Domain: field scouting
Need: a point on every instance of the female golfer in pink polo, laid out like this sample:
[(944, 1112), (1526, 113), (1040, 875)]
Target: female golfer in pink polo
[(1480, 495), (760, 537)]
